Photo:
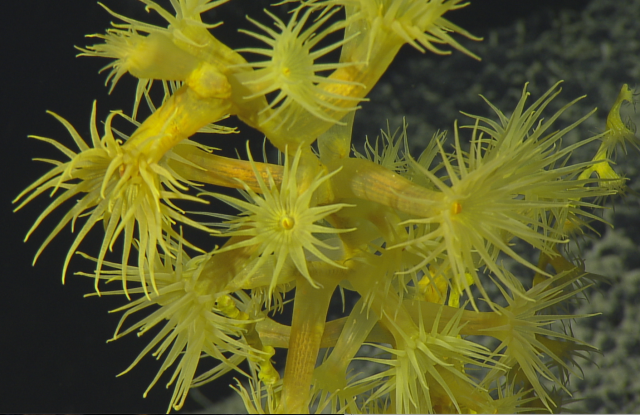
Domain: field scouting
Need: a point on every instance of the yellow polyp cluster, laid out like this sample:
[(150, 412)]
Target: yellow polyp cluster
[(415, 241)]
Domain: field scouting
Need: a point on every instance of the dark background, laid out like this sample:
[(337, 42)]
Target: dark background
[(53, 355)]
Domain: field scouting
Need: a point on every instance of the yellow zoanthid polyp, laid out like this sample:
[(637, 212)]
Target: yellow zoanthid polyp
[(282, 220), (618, 133), (501, 189), (416, 241), (194, 320), (129, 195), (291, 69), (616, 136)]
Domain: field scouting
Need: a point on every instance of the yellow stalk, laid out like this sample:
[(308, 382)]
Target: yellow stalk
[(307, 329), (222, 171), (369, 181)]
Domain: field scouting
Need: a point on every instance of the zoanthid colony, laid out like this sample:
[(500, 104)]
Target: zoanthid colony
[(415, 238)]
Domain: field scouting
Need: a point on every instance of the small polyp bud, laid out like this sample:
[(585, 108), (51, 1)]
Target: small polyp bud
[(268, 374), (228, 307), (617, 131), (434, 288), (208, 82)]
